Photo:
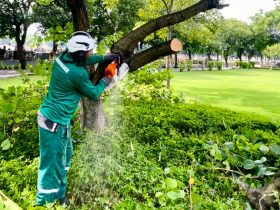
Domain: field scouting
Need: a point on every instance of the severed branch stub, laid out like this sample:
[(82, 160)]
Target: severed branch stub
[(167, 48), (264, 197)]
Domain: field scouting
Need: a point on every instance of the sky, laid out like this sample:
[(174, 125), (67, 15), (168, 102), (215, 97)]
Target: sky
[(244, 9)]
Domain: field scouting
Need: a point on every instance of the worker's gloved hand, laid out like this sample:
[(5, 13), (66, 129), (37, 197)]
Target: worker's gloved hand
[(123, 70), (111, 69), (111, 57), (110, 82)]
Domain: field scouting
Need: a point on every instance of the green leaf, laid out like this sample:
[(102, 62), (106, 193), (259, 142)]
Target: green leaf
[(261, 170), (166, 170), (268, 173), (262, 160), (229, 145), (181, 194), (264, 148), (8, 107), (17, 120), (275, 148), (2, 135), (172, 195), (159, 194), (215, 152), (6, 144), (248, 164), (170, 183)]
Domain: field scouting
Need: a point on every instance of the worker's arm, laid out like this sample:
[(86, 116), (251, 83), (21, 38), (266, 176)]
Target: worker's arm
[(93, 59), (84, 86)]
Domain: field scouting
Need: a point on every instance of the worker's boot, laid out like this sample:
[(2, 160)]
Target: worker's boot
[(65, 201)]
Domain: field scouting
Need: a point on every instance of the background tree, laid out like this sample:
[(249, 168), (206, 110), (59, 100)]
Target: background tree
[(272, 52), (265, 27), (54, 20), (108, 19), (16, 17), (234, 36)]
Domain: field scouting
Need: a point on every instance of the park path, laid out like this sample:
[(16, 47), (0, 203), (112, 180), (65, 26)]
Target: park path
[(4, 74)]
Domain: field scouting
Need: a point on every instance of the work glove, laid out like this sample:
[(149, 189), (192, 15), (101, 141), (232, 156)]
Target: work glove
[(111, 57), (109, 81), (123, 70)]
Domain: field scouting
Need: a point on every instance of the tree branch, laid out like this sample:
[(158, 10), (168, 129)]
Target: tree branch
[(129, 42), (151, 54)]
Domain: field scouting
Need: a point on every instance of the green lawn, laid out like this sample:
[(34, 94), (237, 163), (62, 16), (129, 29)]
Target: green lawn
[(4, 83), (255, 91)]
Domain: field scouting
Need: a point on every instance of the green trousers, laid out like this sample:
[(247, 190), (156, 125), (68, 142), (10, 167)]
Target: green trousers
[(55, 158)]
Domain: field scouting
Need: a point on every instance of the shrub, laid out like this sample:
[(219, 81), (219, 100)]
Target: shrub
[(18, 178), (219, 65), (150, 153), (18, 114), (243, 65), (189, 65), (182, 66), (253, 63), (210, 65), (147, 85)]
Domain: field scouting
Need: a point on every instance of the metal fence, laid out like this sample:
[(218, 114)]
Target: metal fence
[(29, 55)]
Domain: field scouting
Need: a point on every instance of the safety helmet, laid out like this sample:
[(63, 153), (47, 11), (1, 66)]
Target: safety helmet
[(80, 41)]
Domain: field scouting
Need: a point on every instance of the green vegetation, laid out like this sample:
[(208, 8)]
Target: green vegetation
[(5, 83), (157, 152), (254, 91)]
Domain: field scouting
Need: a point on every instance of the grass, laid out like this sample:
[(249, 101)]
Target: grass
[(17, 81), (254, 91)]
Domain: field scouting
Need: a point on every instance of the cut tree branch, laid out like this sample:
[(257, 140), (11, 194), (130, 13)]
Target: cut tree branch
[(151, 54)]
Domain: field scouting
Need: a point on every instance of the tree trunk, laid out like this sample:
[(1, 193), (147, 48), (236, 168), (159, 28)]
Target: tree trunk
[(21, 54), (240, 53), (20, 40), (79, 14), (190, 54), (176, 60), (92, 115), (226, 58)]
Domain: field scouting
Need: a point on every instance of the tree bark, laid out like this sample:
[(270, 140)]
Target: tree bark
[(79, 14), (263, 198), (190, 54), (20, 40)]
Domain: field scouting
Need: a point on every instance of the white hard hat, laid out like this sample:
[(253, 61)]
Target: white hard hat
[(80, 41)]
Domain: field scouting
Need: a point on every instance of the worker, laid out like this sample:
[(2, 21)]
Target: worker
[(69, 81)]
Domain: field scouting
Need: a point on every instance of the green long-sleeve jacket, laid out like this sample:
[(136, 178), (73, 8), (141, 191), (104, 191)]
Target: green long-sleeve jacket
[(68, 83)]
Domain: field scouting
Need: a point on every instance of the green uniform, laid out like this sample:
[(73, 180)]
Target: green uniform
[(68, 83)]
